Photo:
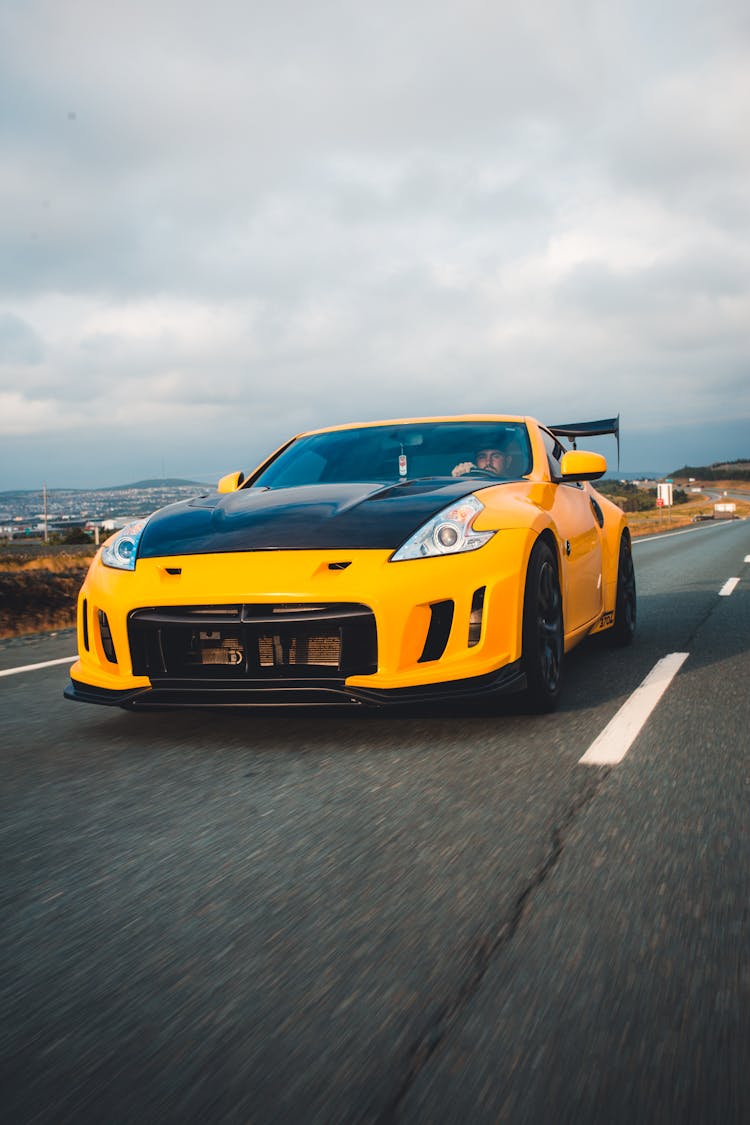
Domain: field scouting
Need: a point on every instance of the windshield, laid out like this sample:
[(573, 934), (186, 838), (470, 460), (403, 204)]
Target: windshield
[(392, 453)]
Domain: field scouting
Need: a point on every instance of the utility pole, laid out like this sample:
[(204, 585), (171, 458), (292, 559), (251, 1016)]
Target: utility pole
[(46, 531)]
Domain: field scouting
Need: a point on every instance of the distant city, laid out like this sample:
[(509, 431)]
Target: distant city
[(22, 513)]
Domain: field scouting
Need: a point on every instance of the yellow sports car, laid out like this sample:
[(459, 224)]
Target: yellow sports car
[(386, 562)]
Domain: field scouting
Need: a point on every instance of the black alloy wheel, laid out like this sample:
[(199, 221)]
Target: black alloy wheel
[(623, 630), (543, 639)]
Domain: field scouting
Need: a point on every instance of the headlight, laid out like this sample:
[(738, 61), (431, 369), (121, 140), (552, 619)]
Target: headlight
[(450, 532), (120, 551)]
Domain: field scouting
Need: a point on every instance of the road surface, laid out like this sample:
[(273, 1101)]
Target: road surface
[(423, 917)]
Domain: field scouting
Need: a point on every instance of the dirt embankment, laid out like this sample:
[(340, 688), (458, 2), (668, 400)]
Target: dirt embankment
[(39, 585)]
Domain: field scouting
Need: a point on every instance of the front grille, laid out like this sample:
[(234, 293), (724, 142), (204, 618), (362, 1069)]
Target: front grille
[(256, 642)]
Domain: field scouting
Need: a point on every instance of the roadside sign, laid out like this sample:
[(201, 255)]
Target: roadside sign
[(665, 494)]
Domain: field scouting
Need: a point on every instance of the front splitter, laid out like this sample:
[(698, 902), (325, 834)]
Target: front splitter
[(185, 694)]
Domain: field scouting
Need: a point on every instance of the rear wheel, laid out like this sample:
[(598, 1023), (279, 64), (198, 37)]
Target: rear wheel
[(543, 640), (623, 630)]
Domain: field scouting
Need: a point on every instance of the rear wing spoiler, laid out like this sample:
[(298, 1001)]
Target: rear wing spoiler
[(574, 430)]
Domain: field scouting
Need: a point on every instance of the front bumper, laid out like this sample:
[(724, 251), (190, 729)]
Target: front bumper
[(197, 694), (421, 653)]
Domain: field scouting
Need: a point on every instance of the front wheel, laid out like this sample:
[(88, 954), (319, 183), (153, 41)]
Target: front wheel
[(543, 640)]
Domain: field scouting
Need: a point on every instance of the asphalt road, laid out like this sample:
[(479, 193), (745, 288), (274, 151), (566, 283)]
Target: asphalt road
[(424, 917)]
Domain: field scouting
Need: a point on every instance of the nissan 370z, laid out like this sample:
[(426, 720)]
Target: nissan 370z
[(370, 564)]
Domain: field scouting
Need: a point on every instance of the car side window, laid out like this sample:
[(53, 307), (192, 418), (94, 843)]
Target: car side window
[(554, 454)]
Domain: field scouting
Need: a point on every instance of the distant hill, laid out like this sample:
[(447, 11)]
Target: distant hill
[(719, 470), (161, 482), (137, 486), (641, 474), (730, 467)]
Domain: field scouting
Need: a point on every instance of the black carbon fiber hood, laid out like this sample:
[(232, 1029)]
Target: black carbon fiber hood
[(357, 516)]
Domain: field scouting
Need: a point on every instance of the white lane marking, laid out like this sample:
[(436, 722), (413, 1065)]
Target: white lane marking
[(685, 531), (33, 667), (728, 586), (611, 746)]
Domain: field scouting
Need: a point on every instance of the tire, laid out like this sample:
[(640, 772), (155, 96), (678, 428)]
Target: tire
[(543, 637), (623, 630)]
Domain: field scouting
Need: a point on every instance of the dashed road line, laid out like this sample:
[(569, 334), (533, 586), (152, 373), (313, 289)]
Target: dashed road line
[(729, 585), (34, 667), (611, 746)]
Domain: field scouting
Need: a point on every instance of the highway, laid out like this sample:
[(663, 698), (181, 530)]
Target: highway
[(420, 917)]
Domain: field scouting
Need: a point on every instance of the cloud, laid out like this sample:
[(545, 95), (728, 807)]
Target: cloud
[(222, 225), (19, 343), (23, 415)]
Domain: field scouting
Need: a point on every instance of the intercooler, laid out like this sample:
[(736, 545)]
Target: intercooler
[(253, 642)]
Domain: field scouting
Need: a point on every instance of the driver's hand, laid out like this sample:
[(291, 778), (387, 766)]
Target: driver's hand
[(464, 467)]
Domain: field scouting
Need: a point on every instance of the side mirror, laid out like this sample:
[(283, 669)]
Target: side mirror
[(230, 483), (577, 464)]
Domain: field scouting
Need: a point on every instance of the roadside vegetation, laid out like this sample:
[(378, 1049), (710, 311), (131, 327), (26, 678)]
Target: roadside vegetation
[(693, 508), (39, 584), (632, 497)]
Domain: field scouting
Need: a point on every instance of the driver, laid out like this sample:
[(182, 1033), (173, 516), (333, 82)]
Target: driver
[(490, 460)]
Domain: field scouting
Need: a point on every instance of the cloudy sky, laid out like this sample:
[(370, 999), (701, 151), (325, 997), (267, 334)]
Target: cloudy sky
[(225, 222)]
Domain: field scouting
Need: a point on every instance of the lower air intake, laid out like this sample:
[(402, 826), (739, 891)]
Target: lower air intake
[(105, 633), (441, 620), (253, 642)]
